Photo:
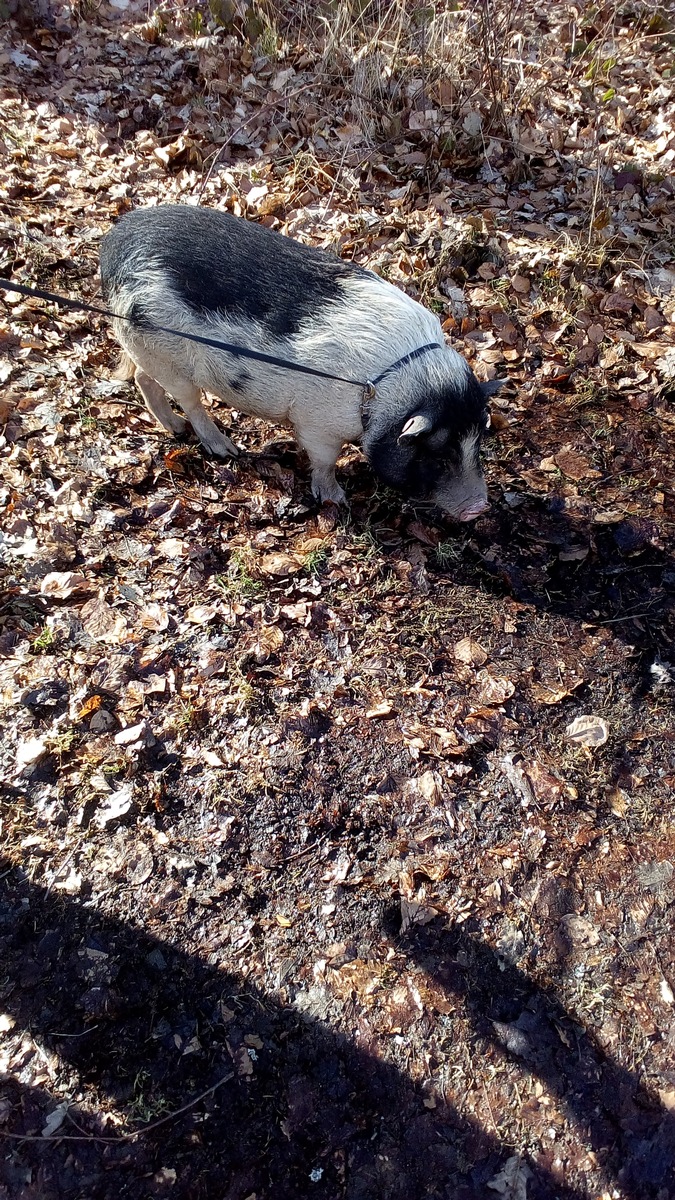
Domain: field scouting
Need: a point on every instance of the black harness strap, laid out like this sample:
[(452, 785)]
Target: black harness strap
[(368, 386)]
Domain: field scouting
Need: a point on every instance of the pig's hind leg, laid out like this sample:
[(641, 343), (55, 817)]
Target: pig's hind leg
[(187, 394), (157, 404)]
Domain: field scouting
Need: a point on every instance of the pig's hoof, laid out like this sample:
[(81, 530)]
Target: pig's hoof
[(222, 446), (330, 493), (178, 425)]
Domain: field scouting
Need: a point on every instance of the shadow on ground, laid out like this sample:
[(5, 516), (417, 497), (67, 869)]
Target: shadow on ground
[(311, 1112)]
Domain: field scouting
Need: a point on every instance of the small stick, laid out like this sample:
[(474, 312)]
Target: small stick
[(307, 850), (59, 871), (123, 1137)]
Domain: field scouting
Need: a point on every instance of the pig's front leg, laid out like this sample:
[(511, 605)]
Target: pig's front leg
[(326, 487), (323, 454)]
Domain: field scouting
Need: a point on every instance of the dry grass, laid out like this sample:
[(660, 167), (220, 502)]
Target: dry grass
[(393, 57)]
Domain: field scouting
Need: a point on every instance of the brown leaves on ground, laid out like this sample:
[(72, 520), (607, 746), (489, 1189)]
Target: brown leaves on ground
[(338, 758)]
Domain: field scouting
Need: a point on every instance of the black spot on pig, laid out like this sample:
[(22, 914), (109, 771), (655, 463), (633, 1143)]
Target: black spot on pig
[(136, 313), (207, 255), (240, 383)]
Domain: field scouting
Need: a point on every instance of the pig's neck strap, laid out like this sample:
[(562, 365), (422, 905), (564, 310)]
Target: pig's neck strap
[(368, 386)]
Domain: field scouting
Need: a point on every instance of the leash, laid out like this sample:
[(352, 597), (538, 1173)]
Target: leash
[(368, 386)]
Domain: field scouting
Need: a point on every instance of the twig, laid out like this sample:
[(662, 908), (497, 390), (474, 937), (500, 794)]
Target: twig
[(335, 182), (69, 857), (74, 1035), (307, 850), (618, 620), (596, 194), (492, 1116), (123, 1137)]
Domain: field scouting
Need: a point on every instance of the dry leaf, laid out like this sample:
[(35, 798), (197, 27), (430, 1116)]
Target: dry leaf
[(511, 1181), (154, 616), (212, 759), (90, 706), (587, 731), (520, 284), (546, 787), (243, 1061), (574, 465), (55, 1119), (429, 786), (493, 689), (617, 302), (29, 752), (201, 614), (102, 622), (618, 802), (172, 548), (550, 695), (116, 805), (5, 408), (655, 876), (269, 641), (72, 884), (280, 564), (135, 734), (140, 865), (470, 652), (62, 584), (666, 992), (579, 930), (415, 913), (596, 334), (301, 612)]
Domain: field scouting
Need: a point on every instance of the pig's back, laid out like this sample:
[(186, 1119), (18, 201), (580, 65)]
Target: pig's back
[(215, 263)]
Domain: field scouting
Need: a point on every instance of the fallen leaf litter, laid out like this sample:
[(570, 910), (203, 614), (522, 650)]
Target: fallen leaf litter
[(341, 850)]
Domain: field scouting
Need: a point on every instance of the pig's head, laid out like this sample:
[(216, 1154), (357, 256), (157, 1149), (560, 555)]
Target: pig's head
[(429, 447)]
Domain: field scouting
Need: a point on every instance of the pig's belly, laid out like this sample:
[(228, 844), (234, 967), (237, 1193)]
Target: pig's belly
[(258, 398), (252, 407)]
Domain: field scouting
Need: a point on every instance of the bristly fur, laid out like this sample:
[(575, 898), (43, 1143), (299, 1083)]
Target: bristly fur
[(206, 272), (219, 264)]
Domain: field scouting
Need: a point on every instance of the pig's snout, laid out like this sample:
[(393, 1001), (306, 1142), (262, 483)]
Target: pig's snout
[(461, 498), (461, 490), (472, 510)]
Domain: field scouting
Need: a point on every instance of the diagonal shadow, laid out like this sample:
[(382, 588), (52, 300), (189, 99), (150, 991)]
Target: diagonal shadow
[(313, 1113), (627, 1129)]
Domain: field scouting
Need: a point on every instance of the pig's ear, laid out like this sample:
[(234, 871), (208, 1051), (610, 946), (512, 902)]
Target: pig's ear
[(415, 427), (491, 387)]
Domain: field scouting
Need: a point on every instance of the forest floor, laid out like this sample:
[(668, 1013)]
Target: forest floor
[(337, 850)]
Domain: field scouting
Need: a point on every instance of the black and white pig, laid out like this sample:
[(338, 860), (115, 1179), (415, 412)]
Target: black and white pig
[(209, 273)]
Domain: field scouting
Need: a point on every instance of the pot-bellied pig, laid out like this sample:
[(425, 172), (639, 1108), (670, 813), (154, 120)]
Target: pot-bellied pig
[(210, 274)]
